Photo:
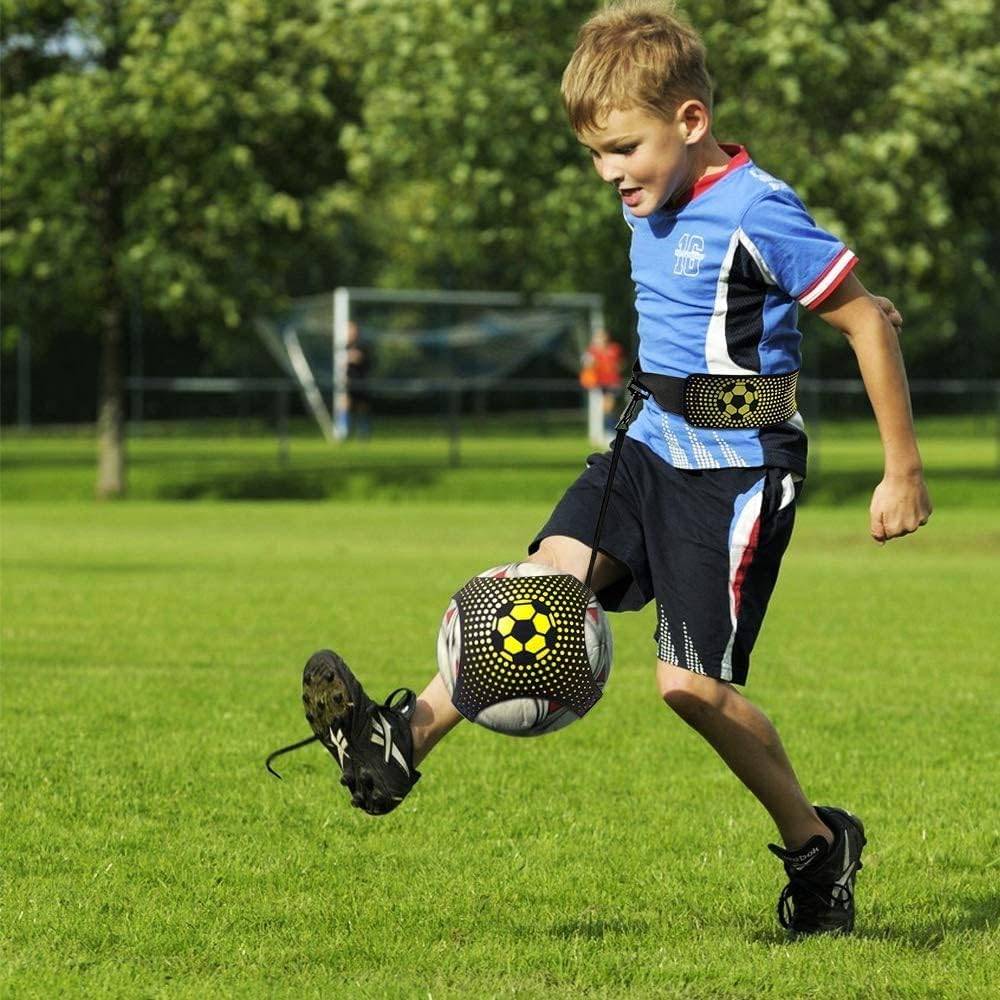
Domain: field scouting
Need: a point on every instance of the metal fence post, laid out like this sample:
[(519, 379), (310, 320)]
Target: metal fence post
[(281, 402), (24, 379), (454, 395), (996, 398)]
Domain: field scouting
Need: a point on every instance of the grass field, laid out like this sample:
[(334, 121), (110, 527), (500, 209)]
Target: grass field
[(151, 654)]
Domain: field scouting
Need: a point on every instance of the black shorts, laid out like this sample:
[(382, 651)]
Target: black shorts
[(705, 544)]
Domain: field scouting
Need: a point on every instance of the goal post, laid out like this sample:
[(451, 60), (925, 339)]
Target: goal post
[(282, 340), (422, 341), (340, 401)]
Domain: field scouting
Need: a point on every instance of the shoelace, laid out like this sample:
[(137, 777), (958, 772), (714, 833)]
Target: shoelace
[(404, 706), (801, 897)]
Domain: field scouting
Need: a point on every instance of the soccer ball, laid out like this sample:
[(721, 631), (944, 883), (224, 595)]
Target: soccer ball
[(524, 650), (739, 400)]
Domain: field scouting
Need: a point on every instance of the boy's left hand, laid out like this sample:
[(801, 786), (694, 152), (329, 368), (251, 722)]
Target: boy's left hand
[(892, 314), (900, 505)]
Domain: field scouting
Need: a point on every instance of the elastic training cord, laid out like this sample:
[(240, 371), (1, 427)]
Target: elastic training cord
[(405, 704), (637, 394), (288, 749)]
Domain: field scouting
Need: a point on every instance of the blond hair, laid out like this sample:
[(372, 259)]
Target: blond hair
[(634, 54)]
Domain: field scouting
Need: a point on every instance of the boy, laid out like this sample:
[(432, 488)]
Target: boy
[(702, 509)]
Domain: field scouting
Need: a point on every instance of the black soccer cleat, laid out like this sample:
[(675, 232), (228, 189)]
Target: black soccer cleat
[(819, 897), (372, 744)]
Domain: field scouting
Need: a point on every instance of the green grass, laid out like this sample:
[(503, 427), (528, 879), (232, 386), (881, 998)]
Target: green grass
[(151, 653), (487, 463)]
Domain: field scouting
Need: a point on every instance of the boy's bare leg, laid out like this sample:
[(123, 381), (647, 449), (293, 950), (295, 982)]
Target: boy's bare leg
[(573, 557), (739, 731), (749, 744), (434, 717)]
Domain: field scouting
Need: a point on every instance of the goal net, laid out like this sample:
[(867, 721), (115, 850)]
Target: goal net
[(422, 344)]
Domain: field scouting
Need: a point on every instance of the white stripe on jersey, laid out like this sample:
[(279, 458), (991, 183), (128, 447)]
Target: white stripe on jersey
[(732, 456), (829, 279), (678, 457), (717, 357), (703, 458), (716, 347), (758, 258)]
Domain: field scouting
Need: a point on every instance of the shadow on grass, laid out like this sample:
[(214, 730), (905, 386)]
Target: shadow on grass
[(594, 928), (836, 488), (979, 915), (376, 481), (314, 484)]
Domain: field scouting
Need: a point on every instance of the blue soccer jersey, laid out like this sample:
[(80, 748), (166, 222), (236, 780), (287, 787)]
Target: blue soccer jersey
[(718, 282)]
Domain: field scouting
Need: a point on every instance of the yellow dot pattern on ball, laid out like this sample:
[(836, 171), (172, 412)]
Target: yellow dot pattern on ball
[(524, 637)]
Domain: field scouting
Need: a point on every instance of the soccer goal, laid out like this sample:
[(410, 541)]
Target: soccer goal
[(359, 342)]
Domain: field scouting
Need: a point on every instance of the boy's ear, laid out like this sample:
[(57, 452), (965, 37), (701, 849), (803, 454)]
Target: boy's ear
[(696, 120)]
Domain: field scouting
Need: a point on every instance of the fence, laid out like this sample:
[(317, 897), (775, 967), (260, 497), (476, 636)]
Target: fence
[(455, 408)]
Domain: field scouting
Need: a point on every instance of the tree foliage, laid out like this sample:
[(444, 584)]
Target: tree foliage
[(185, 155), (217, 123), (205, 158), (873, 111), (876, 112), (463, 151)]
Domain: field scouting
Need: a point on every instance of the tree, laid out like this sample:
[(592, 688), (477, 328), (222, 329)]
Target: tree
[(182, 154), (461, 120), (204, 157), (872, 110), (875, 112)]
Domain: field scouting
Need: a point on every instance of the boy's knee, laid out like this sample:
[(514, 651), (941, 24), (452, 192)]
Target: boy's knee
[(690, 695), (566, 555)]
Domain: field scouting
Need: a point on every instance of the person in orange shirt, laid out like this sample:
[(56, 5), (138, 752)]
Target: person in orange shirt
[(601, 375)]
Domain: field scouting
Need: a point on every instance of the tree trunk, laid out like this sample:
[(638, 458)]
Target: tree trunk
[(110, 224), (111, 464), (111, 459)]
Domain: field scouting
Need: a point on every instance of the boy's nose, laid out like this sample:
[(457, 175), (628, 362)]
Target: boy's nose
[(609, 171)]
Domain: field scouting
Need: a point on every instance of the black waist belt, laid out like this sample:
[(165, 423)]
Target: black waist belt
[(726, 402)]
